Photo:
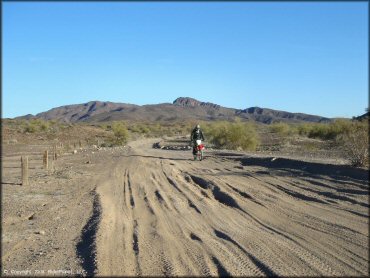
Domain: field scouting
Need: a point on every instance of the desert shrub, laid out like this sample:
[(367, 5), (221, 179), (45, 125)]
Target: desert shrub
[(324, 131), (140, 128), (339, 127), (352, 136), (30, 128), (105, 126), (36, 125), (44, 126), (234, 136), (216, 133), (120, 133), (304, 129), (355, 142), (320, 131), (134, 129), (281, 129), (155, 129)]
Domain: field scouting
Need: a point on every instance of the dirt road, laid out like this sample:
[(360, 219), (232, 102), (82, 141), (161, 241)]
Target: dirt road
[(163, 214), (143, 211)]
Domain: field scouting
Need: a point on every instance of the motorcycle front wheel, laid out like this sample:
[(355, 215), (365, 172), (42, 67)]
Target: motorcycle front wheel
[(200, 155)]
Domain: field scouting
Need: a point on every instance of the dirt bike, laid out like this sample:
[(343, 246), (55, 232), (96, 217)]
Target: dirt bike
[(199, 147)]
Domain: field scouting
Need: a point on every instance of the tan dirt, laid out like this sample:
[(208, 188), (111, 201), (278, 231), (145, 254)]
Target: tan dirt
[(144, 211)]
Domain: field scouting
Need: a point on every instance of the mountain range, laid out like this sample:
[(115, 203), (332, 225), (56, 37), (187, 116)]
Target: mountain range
[(183, 108)]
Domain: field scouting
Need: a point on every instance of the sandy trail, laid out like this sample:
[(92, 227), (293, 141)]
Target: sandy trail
[(164, 214)]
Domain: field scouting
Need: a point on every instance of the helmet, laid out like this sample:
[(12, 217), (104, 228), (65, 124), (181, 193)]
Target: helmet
[(198, 126)]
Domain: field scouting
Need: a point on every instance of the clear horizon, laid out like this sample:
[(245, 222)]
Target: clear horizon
[(302, 57)]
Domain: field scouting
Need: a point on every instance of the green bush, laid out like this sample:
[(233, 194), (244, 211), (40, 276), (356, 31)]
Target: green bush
[(36, 125), (281, 128), (324, 131), (140, 128), (355, 142), (44, 126), (320, 131), (304, 129), (233, 136), (339, 127), (352, 136), (30, 128), (120, 133)]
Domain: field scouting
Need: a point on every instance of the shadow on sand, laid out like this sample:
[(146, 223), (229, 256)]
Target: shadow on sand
[(158, 157), (11, 183), (314, 168)]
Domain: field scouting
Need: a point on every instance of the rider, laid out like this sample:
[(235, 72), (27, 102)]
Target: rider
[(196, 134)]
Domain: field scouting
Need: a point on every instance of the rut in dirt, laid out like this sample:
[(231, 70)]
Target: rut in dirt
[(86, 247)]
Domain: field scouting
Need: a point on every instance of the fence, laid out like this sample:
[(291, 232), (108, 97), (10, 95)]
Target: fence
[(41, 157), (24, 158)]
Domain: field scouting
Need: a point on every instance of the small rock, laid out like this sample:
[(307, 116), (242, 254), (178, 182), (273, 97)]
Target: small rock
[(31, 216), (41, 232), (88, 162), (74, 151)]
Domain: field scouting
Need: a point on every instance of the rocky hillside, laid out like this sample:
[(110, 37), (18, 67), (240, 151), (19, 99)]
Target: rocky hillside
[(183, 108), (191, 102), (81, 112), (266, 115)]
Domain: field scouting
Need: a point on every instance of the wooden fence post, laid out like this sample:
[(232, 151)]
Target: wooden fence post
[(24, 161), (45, 160), (61, 149), (55, 152)]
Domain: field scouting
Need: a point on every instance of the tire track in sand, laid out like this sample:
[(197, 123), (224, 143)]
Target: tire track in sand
[(164, 215)]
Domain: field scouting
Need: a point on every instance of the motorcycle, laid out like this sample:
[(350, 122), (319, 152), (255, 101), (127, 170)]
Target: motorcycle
[(199, 147)]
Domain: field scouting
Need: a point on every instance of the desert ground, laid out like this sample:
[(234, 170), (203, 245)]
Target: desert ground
[(139, 210)]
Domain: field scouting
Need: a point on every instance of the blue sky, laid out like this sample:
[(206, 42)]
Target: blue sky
[(294, 56)]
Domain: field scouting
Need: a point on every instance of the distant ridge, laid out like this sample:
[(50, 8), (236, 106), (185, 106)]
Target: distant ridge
[(182, 108), (191, 102), (267, 115)]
